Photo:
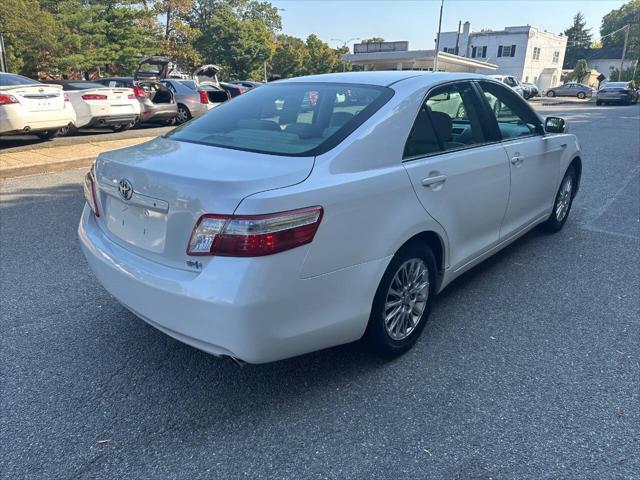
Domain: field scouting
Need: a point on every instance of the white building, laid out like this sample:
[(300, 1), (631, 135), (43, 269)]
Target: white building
[(525, 52), (607, 59), (397, 56)]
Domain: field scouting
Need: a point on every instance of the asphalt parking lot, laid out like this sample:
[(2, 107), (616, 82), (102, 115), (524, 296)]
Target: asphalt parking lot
[(528, 368), (20, 143)]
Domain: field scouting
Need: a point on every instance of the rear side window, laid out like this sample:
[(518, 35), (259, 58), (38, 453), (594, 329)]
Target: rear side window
[(188, 83), (514, 117), (295, 119), (7, 80)]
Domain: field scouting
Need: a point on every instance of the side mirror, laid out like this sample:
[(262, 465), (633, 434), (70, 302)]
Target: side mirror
[(555, 125)]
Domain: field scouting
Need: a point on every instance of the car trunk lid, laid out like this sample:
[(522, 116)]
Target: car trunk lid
[(151, 195), (207, 75), (155, 67), (38, 97)]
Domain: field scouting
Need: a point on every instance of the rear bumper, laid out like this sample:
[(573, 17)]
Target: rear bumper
[(620, 97), (17, 120), (257, 310), (107, 121), (158, 113)]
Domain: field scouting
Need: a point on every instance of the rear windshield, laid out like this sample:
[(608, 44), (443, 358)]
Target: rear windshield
[(292, 119), (616, 85), (7, 80), (82, 85)]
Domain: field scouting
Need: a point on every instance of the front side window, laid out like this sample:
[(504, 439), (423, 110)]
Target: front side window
[(292, 119), (448, 120), (514, 118)]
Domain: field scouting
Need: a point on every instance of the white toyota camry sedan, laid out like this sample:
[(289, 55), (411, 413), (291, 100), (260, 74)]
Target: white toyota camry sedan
[(317, 211)]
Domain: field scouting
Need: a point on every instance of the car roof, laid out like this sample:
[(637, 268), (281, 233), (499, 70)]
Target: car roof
[(113, 78), (383, 78)]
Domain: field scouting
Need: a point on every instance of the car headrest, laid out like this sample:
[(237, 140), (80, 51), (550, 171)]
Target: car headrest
[(338, 119), (423, 131), (443, 125), (257, 124)]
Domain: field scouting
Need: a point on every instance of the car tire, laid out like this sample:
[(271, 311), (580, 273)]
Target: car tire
[(562, 203), (581, 95), (67, 131), (48, 134), (183, 115), (123, 128), (551, 94), (384, 337)]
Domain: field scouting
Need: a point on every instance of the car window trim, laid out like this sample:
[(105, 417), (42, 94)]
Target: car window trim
[(458, 149)]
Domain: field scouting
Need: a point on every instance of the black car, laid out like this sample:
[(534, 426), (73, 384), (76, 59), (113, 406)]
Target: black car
[(617, 92)]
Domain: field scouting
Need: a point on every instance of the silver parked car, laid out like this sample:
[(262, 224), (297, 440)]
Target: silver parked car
[(578, 90), (198, 95)]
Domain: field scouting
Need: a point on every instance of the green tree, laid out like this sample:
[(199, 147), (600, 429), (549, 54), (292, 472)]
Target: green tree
[(178, 35), (29, 39), (578, 40), (321, 57), (241, 47), (373, 40), (289, 57), (202, 11), (581, 70), (627, 14)]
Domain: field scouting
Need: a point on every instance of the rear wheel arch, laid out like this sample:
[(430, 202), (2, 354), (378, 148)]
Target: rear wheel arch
[(435, 242)]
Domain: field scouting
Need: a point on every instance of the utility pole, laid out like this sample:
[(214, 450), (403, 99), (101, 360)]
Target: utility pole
[(435, 59), (4, 66), (624, 50)]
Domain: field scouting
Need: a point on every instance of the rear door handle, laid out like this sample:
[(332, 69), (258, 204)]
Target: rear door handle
[(429, 181), (516, 161)]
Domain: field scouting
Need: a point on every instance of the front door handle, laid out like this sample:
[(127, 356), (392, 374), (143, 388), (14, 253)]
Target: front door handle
[(429, 181), (516, 161)]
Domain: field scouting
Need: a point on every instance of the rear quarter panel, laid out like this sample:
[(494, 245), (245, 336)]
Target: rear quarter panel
[(370, 207)]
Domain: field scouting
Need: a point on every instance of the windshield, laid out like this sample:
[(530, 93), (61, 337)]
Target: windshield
[(287, 118), (616, 85), (7, 80)]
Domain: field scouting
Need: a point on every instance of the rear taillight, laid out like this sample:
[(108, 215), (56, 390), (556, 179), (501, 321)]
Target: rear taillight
[(254, 235), (93, 96), (204, 98), (7, 99), (131, 96), (66, 98), (90, 192), (239, 91), (139, 92)]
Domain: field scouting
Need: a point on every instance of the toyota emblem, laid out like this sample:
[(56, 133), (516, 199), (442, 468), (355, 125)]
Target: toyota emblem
[(125, 189)]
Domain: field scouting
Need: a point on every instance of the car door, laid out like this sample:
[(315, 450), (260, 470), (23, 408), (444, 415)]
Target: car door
[(534, 158), (461, 179)]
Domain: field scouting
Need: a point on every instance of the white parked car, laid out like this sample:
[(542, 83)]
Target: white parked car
[(99, 106), (512, 82), (275, 225), (28, 106)]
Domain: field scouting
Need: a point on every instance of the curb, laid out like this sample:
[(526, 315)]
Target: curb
[(46, 167)]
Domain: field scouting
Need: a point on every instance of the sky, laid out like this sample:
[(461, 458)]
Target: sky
[(417, 20)]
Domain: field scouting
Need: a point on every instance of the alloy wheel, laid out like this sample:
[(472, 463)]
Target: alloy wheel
[(406, 299), (564, 198), (183, 115)]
